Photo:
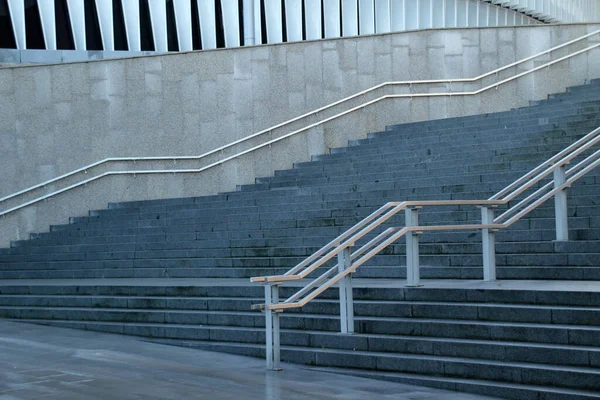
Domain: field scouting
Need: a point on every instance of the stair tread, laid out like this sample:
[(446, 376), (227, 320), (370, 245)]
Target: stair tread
[(322, 317), (441, 339)]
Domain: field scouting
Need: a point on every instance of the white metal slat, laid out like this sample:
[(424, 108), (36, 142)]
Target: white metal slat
[(438, 13), (312, 12), (397, 17), (248, 16), (208, 30), (501, 16), (483, 11), (47, 17), (472, 13), (450, 14), (274, 22), (411, 14), (17, 14), (131, 14), (424, 12), (293, 20), (331, 9), (183, 21), (350, 17), (382, 16), (104, 9), (493, 16), (77, 18), (510, 18), (158, 16), (231, 22), (257, 22), (366, 16)]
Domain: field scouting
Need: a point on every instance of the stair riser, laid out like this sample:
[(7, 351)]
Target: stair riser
[(532, 297), (438, 328), (375, 199), (49, 306), (446, 368), (505, 252), (301, 219), (444, 348)]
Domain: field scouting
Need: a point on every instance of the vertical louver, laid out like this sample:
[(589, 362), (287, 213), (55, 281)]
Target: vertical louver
[(7, 32), (184, 25)]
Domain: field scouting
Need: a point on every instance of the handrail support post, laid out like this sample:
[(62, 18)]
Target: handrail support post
[(560, 205), (273, 348), (412, 247), (489, 245), (346, 298)]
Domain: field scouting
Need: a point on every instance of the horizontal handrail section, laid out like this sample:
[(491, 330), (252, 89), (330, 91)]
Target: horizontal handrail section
[(349, 238), (221, 149)]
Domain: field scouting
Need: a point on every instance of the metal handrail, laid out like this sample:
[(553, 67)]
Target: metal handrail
[(303, 269), (348, 263), (390, 235), (310, 126), (537, 193)]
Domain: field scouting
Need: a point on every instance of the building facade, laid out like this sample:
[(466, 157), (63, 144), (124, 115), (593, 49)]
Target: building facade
[(183, 25)]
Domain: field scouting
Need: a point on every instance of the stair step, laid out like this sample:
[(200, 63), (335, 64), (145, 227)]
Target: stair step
[(517, 339), (497, 350)]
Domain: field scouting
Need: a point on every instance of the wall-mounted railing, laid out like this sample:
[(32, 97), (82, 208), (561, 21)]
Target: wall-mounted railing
[(348, 260), (221, 155)]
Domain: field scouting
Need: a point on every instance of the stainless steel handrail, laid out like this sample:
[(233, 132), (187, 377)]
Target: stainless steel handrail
[(310, 126), (348, 262), (510, 192), (303, 269)]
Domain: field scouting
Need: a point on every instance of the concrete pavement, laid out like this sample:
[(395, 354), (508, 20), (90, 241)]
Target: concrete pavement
[(40, 362)]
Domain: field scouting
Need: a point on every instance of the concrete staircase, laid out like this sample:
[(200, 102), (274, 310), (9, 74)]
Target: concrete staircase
[(508, 342), (509, 339)]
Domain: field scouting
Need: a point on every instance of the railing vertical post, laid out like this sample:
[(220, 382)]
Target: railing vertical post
[(412, 248), (272, 327), (560, 205), (489, 245), (346, 300)]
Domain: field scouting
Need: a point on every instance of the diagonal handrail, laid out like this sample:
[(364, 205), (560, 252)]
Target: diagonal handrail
[(390, 209), (280, 125), (303, 269), (532, 197), (390, 235)]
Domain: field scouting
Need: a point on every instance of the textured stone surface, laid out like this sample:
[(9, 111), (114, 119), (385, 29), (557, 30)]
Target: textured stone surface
[(61, 117)]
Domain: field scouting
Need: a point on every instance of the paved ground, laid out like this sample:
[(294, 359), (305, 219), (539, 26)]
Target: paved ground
[(38, 362)]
